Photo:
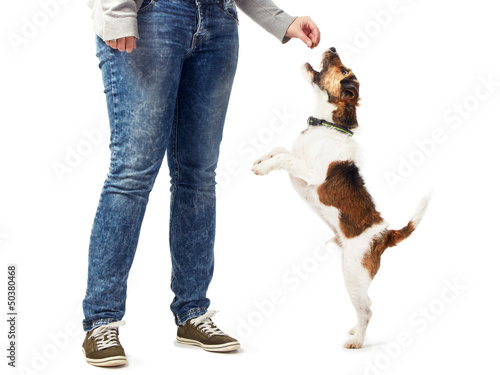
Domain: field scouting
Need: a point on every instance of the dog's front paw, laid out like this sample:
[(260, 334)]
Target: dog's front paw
[(334, 240), (353, 343), (261, 169), (262, 159), (270, 155)]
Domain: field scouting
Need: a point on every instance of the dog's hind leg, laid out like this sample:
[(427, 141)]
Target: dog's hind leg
[(352, 331), (357, 281)]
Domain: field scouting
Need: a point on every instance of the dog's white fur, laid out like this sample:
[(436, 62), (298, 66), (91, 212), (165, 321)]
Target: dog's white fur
[(307, 164)]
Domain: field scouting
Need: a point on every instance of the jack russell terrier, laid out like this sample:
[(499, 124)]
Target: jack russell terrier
[(322, 168)]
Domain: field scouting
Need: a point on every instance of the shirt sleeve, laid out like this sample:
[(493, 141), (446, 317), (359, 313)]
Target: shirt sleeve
[(114, 19), (268, 15)]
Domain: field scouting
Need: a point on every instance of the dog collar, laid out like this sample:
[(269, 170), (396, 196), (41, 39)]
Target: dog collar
[(316, 122)]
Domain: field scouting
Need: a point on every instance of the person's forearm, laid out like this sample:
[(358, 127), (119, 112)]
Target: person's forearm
[(268, 15)]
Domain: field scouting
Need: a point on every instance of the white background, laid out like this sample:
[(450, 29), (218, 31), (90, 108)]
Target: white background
[(417, 66)]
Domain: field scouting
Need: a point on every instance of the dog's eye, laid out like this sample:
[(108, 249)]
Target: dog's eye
[(345, 72)]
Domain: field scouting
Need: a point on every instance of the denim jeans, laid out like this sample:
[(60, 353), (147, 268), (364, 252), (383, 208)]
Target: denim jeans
[(169, 95)]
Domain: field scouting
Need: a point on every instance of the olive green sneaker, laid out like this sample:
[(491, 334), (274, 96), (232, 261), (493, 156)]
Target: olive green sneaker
[(101, 346), (202, 332)]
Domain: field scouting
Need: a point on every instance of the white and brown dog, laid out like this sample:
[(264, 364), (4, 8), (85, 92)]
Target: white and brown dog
[(322, 168)]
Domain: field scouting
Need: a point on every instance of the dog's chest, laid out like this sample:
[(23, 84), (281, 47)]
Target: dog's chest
[(317, 147)]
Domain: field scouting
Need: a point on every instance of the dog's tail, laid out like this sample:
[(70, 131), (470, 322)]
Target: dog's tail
[(396, 236)]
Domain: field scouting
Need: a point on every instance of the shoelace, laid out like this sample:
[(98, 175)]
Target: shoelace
[(107, 335), (205, 324)]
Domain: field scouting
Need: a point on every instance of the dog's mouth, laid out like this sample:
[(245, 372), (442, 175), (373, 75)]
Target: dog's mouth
[(313, 74), (330, 59)]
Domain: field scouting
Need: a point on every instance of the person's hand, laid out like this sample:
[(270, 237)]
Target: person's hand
[(126, 43), (306, 30)]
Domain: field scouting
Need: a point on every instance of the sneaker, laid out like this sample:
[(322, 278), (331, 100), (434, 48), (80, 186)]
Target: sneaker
[(101, 346), (202, 332)]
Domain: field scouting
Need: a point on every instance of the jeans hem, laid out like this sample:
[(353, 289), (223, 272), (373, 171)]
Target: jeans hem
[(96, 323), (193, 313)]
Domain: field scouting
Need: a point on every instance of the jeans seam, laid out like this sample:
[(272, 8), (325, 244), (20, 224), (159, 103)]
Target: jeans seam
[(114, 120), (177, 172), (197, 21), (113, 129), (174, 184)]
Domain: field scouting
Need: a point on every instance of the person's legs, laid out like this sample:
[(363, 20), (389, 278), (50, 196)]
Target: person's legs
[(140, 88), (193, 151)]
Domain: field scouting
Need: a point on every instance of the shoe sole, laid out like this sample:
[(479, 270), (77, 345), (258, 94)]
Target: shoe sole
[(227, 347), (118, 360)]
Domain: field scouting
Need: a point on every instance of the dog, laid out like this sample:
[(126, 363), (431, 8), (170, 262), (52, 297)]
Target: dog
[(323, 170)]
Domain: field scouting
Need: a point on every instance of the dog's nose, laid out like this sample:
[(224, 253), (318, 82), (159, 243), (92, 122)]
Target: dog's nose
[(333, 50)]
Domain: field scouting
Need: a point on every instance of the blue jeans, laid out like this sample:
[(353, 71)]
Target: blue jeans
[(169, 95)]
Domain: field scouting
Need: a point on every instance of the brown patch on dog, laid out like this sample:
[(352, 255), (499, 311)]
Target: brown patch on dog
[(342, 88), (330, 80), (345, 190), (345, 115), (371, 260), (388, 238), (396, 236)]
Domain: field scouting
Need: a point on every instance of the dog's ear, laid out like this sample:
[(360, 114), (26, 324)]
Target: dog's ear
[(350, 91)]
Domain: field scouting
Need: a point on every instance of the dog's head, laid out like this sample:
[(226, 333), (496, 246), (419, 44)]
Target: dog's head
[(340, 86)]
